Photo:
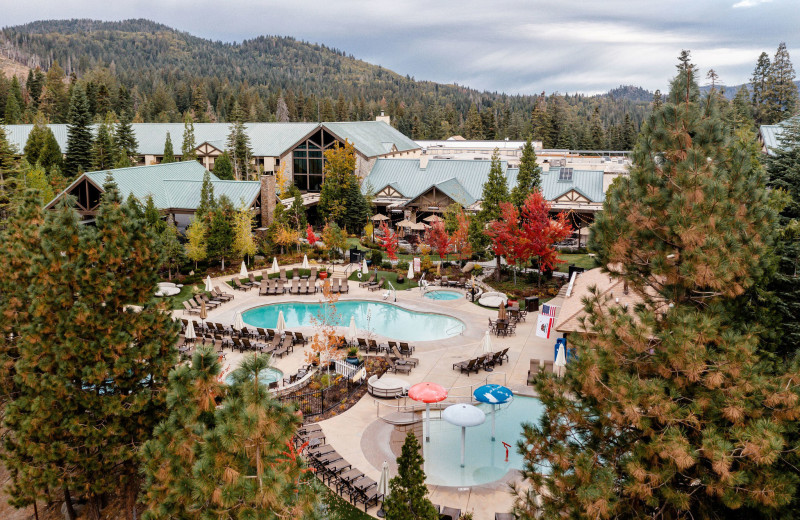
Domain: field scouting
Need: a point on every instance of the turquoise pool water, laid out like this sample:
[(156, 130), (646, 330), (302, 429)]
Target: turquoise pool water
[(266, 376), (381, 318), (485, 460), (443, 295)]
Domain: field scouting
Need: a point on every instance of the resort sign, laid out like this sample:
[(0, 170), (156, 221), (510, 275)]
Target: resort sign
[(417, 265)]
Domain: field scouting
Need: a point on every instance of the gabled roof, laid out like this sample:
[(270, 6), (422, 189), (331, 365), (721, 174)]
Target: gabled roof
[(172, 185), (370, 138), (770, 134), (453, 189), (588, 183)]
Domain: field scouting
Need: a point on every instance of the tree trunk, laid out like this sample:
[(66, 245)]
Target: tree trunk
[(94, 507), (68, 501), (497, 270), (223, 263)]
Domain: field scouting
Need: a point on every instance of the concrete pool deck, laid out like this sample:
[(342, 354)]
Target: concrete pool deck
[(365, 440)]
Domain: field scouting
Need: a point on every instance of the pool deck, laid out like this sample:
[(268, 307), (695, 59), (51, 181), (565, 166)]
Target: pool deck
[(366, 441)]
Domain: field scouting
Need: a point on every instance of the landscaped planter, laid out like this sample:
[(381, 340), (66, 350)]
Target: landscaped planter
[(323, 275)]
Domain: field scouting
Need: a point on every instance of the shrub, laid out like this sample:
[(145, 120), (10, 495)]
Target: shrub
[(477, 270), (445, 265), (386, 265), (376, 257), (402, 265)]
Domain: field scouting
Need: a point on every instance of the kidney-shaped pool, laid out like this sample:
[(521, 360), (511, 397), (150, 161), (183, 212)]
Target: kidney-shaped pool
[(380, 318)]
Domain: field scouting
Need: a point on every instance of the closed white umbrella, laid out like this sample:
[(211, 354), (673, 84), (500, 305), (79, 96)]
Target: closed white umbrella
[(411, 270), (275, 265), (281, 326), (243, 271), (190, 333), (209, 287), (486, 344), (305, 262), (364, 267), (561, 362), (351, 330), (383, 487), (238, 322)]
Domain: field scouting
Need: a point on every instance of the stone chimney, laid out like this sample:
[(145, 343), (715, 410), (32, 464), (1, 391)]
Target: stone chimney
[(267, 199), (423, 162), (385, 119)]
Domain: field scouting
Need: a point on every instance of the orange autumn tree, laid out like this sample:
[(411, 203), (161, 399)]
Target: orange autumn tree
[(436, 236), (324, 346), (460, 237), (388, 241)]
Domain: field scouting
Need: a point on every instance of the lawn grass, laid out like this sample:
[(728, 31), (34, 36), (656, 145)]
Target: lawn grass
[(578, 259), (390, 276), (176, 302)]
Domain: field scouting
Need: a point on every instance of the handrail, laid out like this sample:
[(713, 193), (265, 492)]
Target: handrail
[(393, 290), (455, 327)]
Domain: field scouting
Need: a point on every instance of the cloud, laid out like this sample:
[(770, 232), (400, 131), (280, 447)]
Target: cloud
[(749, 3)]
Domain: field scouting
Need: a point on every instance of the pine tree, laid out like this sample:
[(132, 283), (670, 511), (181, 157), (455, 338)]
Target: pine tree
[(740, 115), (223, 168), (188, 148), (296, 213), (759, 81), (219, 244), (13, 112), (628, 137), (780, 94), (673, 414), (207, 202), (529, 177), (152, 216), (657, 101), (408, 493), (473, 126), (55, 99), (169, 155), (177, 442), (540, 123), (124, 137), (79, 135), (104, 149), (9, 174), (172, 250), (358, 210), (597, 133), (41, 146), (238, 144), (495, 191)]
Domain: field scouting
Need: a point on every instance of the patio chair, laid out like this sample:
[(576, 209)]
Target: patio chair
[(405, 349), (501, 329), (368, 282), (392, 345), (503, 355), (294, 288), (548, 367), (286, 346), (461, 282), (273, 386), (253, 346), (237, 284), (252, 278), (222, 296), (237, 344), (222, 329), (263, 289), (271, 334), (409, 360), (335, 286), (444, 281), (210, 304), (533, 371), (467, 365), (187, 308), (449, 513), (275, 287), (310, 288), (299, 338), (344, 288), (283, 275), (368, 496), (313, 275), (344, 479), (362, 344), (296, 273), (373, 346), (377, 286)]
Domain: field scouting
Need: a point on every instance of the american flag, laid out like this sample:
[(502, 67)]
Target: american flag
[(549, 310)]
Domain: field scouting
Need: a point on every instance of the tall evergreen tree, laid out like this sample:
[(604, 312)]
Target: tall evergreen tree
[(780, 94), (740, 115), (473, 126), (239, 145), (188, 148), (759, 81), (666, 410), (223, 168), (104, 149), (219, 245), (658, 102), (79, 135), (408, 496), (41, 146), (169, 154), (207, 202), (529, 177), (597, 133), (9, 174), (124, 137), (13, 112), (495, 191)]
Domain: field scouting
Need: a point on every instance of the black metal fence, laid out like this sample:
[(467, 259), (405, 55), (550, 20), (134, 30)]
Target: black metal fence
[(317, 402)]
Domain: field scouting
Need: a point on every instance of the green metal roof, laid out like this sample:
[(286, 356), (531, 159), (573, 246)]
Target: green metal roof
[(771, 135), (588, 183), (185, 194), (371, 138)]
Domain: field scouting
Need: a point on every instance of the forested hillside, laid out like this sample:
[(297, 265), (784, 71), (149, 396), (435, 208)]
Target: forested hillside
[(170, 73)]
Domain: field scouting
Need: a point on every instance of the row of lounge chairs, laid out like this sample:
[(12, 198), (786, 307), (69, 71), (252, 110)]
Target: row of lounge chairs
[(444, 281), (481, 362), (334, 470), (212, 300), (371, 284), (370, 345)]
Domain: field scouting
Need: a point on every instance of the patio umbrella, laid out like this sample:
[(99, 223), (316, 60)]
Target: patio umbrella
[(561, 361), (463, 415), (274, 265), (190, 333), (383, 487), (427, 393), (378, 217), (501, 311), (351, 330), (493, 395), (410, 270), (364, 267), (405, 223), (433, 218), (305, 262), (209, 287), (486, 344), (281, 326), (203, 310), (439, 269), (238, 322), (243, 271), (418, 226)]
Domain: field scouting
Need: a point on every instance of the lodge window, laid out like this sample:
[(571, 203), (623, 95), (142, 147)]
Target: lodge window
[(307, 160)]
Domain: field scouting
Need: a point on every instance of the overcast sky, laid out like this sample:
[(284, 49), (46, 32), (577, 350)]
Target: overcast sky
[(514, 46)]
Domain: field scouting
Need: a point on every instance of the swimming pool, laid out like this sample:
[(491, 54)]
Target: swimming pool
[(485, 460), (380, 318), (443, 295), (266, 376)]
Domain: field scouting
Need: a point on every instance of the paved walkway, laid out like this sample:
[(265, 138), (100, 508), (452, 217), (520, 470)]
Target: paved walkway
[(366, 441)]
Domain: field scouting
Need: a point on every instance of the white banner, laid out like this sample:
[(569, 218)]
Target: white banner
[(417, 265), (544, 325)]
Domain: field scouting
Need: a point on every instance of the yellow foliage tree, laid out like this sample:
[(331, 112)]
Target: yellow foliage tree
[(282, 182), (244, 243), (285, 236)]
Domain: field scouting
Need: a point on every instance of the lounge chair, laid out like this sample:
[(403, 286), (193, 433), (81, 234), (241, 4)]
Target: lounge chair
[(294, 289), (237, 284), (263, 289), (377, 286), (299, 338), (283, 275), (295, 273), (373, 346), (405, 349), (344, 288), (392, 345), (237, 344), (449, 513), (219, 295), (548, 367), (313, 276), (409, 360), (397, 365), (368, 282), (286, 346), (210, 304), (335, 286), (362, 344), (444, 282), (309, 287), (222, 329), (252, 278), (188, 308), (469, 366)]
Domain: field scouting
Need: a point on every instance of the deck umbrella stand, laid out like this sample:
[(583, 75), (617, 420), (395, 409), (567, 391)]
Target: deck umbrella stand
[(463, 415), (493, 394), (427, 393)]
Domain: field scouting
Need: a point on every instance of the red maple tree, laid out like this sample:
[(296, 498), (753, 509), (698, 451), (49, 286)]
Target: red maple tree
[(507, 238), (312, 238), (388, 241), (436, 237), (460, 237)]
